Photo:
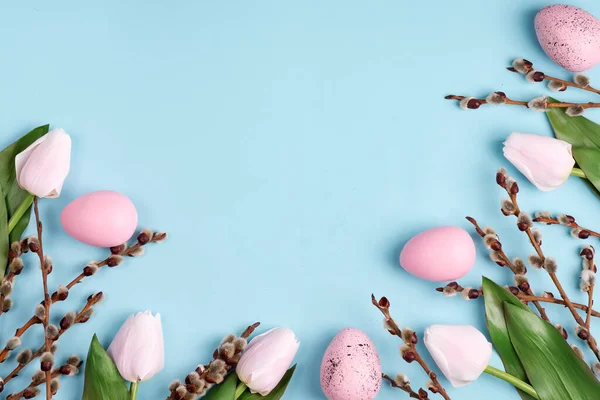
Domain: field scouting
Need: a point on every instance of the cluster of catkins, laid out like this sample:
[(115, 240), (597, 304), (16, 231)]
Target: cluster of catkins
[(70, 368), (205, 376)]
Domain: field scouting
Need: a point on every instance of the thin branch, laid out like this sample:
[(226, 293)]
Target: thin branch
[(205, 376), (541, 103), (383, 305), (81, 317), (497, 247), (540, 76), (524, 224), (569, 221), (405, 387), (31, 390), (111, 261), (46, 367), (456, 288)]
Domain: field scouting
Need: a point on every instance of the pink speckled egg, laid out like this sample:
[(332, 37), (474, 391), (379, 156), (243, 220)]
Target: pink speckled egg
[(439, 254), (569, 35), (103, 219), (350, 369)]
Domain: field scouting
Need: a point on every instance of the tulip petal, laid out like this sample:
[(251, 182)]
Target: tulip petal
[(42, 168), (545, 161), (460, 351), (138, 347), (266, 360)]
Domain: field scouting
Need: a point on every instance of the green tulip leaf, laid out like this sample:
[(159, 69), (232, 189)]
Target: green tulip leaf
[(225, 390), (588, 160), (495, 296), (13, 194), (102, 379), (276, 393), (553, 368), (579, 131)]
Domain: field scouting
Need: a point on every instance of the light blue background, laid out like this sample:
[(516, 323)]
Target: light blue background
[(290, 149)]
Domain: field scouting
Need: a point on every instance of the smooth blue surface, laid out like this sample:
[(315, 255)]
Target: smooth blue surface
[(290, 149)]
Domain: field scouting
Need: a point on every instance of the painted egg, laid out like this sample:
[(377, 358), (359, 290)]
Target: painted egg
[(569, 35), (350, 369), (439, 254), (103, 219)]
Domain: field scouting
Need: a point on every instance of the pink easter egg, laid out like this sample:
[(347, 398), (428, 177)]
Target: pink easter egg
[(439, 254), (350, 369), (569, 35), (102, 219)]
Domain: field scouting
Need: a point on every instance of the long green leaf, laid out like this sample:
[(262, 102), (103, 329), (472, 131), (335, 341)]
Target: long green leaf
[(4, 242), (276, 393), (102, 379), (13, 194), (495, 296), (579, 131), (553, 369), (589, 161), (225, 390)]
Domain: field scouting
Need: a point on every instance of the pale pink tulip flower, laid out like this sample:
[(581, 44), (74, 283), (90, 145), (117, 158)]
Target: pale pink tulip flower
[(460, 351), (545, 161), (266, 359), (138, 348), (43, 167)]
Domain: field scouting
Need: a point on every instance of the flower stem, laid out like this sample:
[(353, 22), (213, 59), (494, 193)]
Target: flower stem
[(133, 389), (579, 173), (12, 223), (516, 382), (241, 388)]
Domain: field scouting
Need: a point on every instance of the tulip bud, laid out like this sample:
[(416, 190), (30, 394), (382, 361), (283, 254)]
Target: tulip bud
[(545, 161), (266, 359), (138, 347), (460, 351), (43, 167)]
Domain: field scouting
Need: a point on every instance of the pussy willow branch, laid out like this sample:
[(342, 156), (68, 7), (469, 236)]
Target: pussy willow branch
[(476, 103), (497, 247), (128, 251), (511, 187), (81, 317), (406, 387), (203, 371), (30, 391), (525, 298), (528, 65), (9, 277), (583, 233), (383, 305), (590, 293), (47, 303)]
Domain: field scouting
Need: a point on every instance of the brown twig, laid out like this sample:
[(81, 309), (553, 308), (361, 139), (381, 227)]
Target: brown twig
[(525, 298), (46, 367), (540, 76), (111, 261), (497, 247), (524, 224), (204, 376), (475, 103), (9, 277), (405, 387), (31, 390), (81, 317), (566, 220), (383, 305)]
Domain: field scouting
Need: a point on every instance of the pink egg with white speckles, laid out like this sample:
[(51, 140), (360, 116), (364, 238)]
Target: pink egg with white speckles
[(439, 254), (103, 218), (569, 35), (350, 369)]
